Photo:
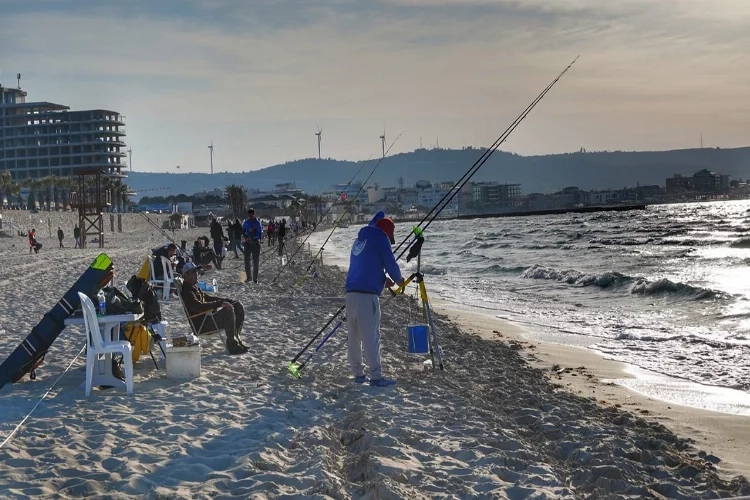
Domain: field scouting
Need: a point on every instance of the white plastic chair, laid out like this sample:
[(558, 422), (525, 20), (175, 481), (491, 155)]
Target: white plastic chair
[(166, 282), (166, 265), (96, 346)]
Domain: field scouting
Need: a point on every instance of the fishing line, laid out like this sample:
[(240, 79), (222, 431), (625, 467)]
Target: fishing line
[(42, 399), (320, 191), (322, 246), (448, 197), (169, 238), (342, 215), (460, 183)]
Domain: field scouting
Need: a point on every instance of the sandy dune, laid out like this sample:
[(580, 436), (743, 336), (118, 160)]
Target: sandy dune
[(489, 427)]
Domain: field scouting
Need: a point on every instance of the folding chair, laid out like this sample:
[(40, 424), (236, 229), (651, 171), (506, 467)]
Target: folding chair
[(201, 324)]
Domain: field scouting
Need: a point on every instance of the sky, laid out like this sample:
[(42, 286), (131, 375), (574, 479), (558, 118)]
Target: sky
[(257, 77)]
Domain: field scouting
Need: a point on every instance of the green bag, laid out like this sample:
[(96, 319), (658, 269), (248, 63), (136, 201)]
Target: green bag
[(119, 303)]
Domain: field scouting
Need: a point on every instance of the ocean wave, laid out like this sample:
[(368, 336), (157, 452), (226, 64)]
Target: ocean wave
[(688, 242), (498, 269), (574, 277), (741, 243), (411, 266), (665, 286), (622, 241), (685, 339)]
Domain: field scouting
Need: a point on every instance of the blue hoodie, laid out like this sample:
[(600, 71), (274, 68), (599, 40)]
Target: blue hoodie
[(371, 254)]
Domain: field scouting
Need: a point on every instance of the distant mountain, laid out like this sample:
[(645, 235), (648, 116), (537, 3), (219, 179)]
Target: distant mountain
[(535, 173)]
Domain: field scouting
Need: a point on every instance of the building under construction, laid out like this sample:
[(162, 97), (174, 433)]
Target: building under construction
[(495, 195), (38, 139)]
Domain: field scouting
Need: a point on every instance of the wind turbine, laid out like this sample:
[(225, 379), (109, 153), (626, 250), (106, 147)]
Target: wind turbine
[(319, 133), (211, 149), (382, 140)]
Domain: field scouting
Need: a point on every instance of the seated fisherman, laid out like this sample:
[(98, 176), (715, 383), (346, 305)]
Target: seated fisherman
[(203, 255), (167, 251), (229, 314)]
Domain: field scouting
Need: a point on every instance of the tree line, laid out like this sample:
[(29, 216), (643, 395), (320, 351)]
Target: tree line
[(53, 191)]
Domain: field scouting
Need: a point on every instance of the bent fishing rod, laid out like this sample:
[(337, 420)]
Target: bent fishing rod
[(461, 182), (448, 197), (340, 218)]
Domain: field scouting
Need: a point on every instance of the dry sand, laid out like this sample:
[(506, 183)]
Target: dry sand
[(490, 426)]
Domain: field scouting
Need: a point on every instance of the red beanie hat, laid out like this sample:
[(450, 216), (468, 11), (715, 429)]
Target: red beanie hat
[(388, 227)]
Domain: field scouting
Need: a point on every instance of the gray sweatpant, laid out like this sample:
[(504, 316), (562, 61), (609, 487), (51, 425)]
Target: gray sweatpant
[(363, 323)]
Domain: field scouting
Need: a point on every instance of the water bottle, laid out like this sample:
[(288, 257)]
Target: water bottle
[(102, 303), (214, 285)]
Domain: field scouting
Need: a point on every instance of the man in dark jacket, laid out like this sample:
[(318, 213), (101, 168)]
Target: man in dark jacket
[(371, 257), (60, 236), (229, 314), (77, 236), (281, 234), (217, 234)]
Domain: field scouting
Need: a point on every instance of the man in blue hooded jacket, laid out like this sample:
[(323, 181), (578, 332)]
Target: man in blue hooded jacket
[(371, 257)]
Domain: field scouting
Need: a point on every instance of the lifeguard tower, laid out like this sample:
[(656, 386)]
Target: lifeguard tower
[(90, 200)]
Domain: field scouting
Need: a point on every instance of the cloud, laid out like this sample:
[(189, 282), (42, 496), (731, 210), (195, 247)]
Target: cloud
[(187, 72)]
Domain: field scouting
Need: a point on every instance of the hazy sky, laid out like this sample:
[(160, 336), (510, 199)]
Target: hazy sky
[(255, 76)]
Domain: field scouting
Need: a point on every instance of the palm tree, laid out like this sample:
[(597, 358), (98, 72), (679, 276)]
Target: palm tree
[(5, 183), (294, 207), (236, 197), (317, 203)]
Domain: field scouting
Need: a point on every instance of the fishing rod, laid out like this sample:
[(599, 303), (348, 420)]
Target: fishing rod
[(340, 218), (322, 217), (166, 235), (304, 273), (448, 197), (461, 182)]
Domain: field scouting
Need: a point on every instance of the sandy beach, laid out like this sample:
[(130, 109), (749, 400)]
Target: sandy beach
[(497, 423)]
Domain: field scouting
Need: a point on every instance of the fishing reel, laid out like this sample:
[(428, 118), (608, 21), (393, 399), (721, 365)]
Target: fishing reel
[(416, 247)]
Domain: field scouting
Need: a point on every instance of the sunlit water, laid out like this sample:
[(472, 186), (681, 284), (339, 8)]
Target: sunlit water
[(666, 289)]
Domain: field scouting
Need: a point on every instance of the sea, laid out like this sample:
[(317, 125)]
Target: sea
[(666, 289)]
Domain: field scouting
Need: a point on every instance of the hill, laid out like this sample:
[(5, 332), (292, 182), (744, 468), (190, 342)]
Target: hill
[(597, 170)]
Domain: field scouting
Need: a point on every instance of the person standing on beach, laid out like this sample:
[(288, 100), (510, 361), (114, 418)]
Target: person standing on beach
[(281, 234), (270, 230), (229, 314), (217, 234), (237, 231), (60, 236), (371, 257), (252, 231), (77, 236)]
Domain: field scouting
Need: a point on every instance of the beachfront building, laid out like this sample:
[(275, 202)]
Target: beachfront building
[(38, 139), (701, 184)]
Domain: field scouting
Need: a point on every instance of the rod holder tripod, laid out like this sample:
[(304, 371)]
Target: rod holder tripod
[(418, 278)]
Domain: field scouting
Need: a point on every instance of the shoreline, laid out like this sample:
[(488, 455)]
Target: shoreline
[(585, 372)]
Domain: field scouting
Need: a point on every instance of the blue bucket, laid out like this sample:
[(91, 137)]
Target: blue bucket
[(418, 339)]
